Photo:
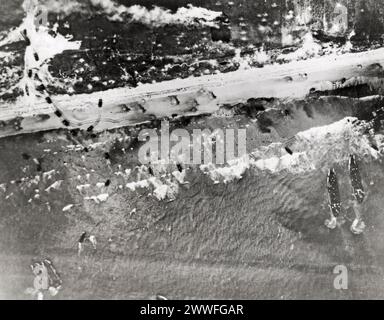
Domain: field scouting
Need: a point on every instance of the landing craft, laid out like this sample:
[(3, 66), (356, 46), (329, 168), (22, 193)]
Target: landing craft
[(47, 278), (357, 184), (333, 193)]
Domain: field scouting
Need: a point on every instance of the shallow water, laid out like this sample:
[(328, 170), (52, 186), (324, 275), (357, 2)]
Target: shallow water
[(261, 236)]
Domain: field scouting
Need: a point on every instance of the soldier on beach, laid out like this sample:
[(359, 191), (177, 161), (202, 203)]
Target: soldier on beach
[(80, 243)]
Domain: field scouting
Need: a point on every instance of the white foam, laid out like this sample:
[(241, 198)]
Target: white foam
[(162, 189), (310, 48), (82, 187), (99, 198), (157, 16), (42, 43), (233, 171), (56, 185), (68, 207), (138, 184), (48, 175), (313, 149)]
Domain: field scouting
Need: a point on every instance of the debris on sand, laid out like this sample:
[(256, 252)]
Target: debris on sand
[(98, 199), (358, 226), (81, 188), (80, 243), (92, 240), (55, 186), (68, 207), (157, 17)]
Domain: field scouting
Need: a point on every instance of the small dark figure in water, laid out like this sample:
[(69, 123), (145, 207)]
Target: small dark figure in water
[(222, 32), (289, 150), (81, 242)]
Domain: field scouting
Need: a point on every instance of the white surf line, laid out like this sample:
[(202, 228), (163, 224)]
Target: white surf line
[(157, 17), (313, 149), (123, 106)]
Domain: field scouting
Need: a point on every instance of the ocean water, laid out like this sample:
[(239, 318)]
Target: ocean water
[(261, 235)]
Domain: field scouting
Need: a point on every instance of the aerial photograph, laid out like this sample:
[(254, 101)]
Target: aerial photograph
[(191, 150)]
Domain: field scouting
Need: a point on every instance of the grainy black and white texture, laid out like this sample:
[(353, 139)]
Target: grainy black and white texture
[(303, 78)]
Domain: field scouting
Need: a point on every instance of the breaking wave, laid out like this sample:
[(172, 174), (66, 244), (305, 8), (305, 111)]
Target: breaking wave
[(156, 16)]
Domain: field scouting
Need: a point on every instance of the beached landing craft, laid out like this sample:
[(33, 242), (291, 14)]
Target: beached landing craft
[(333, 199)]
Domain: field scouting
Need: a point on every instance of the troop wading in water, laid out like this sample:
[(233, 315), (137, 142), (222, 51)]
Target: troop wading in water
[(84, 237), (334, 199)]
